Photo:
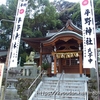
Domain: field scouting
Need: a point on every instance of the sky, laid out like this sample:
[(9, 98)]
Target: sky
[(4, 1)]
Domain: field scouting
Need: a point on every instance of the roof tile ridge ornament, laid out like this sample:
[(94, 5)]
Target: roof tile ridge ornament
[(69, 21)]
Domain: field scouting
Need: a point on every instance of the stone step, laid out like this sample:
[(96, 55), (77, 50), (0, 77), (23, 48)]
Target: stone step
[(69, 98), (71, 75), (64, 94), (64, 88), (68, 89)]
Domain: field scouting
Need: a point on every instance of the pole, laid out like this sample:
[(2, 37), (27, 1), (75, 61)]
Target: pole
[(8, 62), (98, 82), (5, 85), (2, 93), (15, 42), (96, 60)]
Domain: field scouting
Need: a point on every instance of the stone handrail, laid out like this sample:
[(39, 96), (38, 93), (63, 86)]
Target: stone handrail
[(34, 83), (22, 72)]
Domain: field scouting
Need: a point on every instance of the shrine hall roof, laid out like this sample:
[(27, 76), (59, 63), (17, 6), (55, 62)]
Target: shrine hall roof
[(68, 30), (65, 33)]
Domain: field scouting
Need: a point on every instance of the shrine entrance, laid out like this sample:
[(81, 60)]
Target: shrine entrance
[(68, 62), (69, 65)]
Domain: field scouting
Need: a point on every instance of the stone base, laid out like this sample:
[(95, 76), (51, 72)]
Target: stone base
[(29, 64)]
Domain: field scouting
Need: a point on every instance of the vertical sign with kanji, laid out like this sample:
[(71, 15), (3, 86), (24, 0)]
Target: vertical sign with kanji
[(18, 24), (1, 73), (89, 35)]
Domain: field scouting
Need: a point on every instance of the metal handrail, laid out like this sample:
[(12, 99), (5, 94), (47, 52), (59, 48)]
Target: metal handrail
[(34, 83), (58, 85)]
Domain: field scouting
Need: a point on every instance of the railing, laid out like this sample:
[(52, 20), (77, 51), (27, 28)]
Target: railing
[(34, 84), (22, 72), (58, 85)]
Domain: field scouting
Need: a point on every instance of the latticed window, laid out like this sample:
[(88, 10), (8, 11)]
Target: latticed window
[(72, 61)]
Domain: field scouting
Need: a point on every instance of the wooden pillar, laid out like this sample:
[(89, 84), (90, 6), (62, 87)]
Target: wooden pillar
[(60, 65), (40, 63), (55, 66), (40, 59), (80, 64), (80, 60)]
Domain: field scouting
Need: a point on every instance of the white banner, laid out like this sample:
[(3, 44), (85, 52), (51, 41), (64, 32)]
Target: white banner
[(18, 24), (1, 73), (89, 35)]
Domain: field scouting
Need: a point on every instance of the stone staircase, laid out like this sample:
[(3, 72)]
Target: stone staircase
[(65, 87)]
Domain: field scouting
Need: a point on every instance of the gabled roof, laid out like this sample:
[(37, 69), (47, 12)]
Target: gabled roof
[(68, 30), (35, 42), (68, 27), (3, 53), (63, 34)]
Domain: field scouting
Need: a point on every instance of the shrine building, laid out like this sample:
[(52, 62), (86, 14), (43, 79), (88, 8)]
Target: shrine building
[(65, 48)]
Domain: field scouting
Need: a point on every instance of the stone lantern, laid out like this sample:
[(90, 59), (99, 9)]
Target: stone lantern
[(11, 91)]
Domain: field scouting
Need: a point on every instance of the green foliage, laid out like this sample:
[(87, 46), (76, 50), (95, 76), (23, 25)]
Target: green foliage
[(22, 87), (76, 13), (37, 34), (97, 10), (46, 20), (3, 11), (23, 58), (92, 89), (45, 65)]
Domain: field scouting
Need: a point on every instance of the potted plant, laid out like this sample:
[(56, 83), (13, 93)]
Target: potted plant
[(46, 66)]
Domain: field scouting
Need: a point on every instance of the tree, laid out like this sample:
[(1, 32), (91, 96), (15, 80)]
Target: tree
[(46, 20), (5, 28), (76, 14), (64, 9), (97, 11), (40, 17)]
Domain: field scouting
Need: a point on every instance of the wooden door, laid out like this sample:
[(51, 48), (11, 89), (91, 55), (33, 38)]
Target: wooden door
[(69, 65)]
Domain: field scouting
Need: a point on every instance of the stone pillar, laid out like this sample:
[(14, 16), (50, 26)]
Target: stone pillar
[(11, 91), (2, 92), (23, 72), (27, 72), (31, 69)]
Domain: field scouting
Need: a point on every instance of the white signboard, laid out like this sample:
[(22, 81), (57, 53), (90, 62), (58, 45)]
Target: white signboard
[(1, 73), (89, 35), (18, 24)]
